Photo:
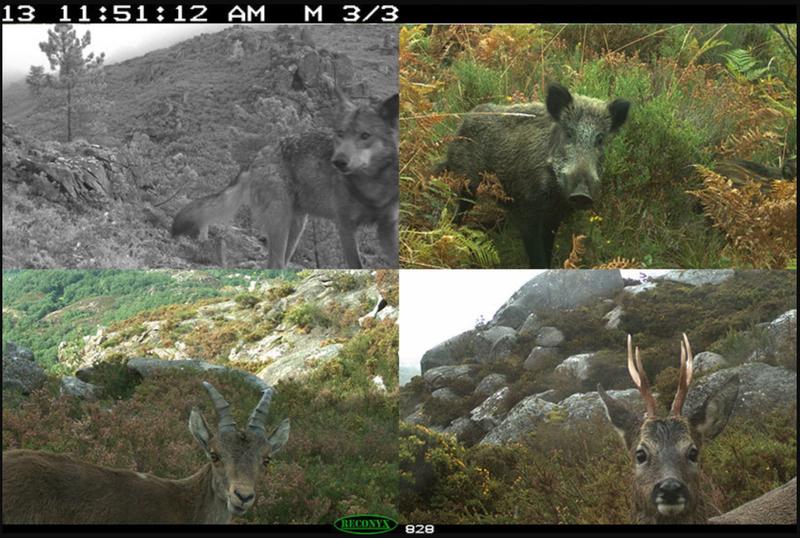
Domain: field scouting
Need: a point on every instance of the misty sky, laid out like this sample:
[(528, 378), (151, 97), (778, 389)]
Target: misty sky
[(435, 304), (118, 41)]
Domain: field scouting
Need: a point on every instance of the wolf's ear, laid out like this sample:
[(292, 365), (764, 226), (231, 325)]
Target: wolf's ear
[(618, 108), (558, 98), (389, 110)]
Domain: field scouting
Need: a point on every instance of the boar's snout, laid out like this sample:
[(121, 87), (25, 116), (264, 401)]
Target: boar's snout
[(581, 195)]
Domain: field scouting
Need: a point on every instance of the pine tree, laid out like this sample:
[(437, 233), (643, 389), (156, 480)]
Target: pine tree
[(72, 71)]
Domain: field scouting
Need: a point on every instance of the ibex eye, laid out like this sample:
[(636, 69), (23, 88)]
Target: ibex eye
[(693, 453), (215, 457), (266, 461), (641, 456)]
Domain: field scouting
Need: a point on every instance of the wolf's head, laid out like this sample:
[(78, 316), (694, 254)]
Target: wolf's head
[(365, 138)]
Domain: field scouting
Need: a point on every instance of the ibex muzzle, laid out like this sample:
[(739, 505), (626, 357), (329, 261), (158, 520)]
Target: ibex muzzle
[(666, 451)]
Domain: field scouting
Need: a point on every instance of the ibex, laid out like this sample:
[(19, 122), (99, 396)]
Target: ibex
[(39, 487), (666, 453)]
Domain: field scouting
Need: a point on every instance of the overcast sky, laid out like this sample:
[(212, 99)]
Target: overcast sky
[(438, 304), (118, 41)]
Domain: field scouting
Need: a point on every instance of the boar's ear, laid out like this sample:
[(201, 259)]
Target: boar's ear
[(618, 108), (558, 98)]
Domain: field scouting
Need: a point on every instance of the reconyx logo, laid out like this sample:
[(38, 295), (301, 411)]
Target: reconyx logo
[(365, 524)]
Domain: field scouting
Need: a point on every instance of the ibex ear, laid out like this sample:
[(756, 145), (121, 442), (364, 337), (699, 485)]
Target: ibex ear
[(279, 437), (710, 419), (199, 429), (624, 420)]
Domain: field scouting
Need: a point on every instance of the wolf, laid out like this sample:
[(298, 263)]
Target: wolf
[(194, 219), (350, 177), (547, 156)]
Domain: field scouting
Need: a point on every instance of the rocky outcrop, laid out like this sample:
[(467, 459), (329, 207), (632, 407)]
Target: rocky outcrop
[(521, 420), (761, 388), (577, 366), (451, 351), (549, 337), (72, 386), (442, 376), (20, 370), (697, 277), (553, 291), (540, 357), (488, 414), (490, 384), (708, 360)]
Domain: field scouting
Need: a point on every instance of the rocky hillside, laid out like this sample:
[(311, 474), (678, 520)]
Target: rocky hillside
[(121, 395), (541, 357), (182, 122)]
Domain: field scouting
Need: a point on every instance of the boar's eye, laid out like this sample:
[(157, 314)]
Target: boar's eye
[(599, 139), (641, 456), (692, 455)]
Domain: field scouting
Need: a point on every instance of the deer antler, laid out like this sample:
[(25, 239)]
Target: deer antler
[(640, 379), (685, 377)]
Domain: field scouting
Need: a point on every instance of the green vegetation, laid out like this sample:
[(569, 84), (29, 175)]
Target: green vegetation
[(701, 94), (577, 475), (43, 308)]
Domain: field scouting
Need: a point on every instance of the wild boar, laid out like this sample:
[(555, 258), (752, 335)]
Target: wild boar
[(547, 156)]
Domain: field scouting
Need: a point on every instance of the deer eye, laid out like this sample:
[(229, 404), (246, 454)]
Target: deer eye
[(215, 457), (641, 456), (693, 453)]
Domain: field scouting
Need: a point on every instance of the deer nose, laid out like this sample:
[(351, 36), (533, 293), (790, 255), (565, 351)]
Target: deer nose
[(242, 497), (671, 491)]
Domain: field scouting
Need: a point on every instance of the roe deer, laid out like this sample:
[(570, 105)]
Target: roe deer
[(40, 487), (666, 453)]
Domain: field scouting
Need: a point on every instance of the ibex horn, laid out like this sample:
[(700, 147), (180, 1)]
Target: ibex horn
[(685, 377), (258, 418), (636, 370), (226, 422)]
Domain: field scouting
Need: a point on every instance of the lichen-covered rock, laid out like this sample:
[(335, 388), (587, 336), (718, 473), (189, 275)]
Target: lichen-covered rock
[(147, 367), (539, 357), (490, 412), (588, 405), (708, 360), (577, 366), (549, 337), (451, 351), (521, 420), (442, 376), (485, 341), (20, 371), (465, 430), (557, 290), (73, 386), (530, 327), (614, 317), (697, 277), (490, 384), (445, 394), (762, 388)]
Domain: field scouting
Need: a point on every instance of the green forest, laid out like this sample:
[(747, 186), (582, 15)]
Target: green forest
[(702, 174)]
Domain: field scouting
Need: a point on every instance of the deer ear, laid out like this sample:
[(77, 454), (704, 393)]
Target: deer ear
[(199, 429), (279, 437), (625, 421), (710, 419)]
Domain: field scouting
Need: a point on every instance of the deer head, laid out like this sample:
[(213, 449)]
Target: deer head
[(237, 455), (665, 452)]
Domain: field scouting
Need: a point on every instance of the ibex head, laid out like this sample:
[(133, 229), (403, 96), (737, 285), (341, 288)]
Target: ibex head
[(666, 451), (237, 455)]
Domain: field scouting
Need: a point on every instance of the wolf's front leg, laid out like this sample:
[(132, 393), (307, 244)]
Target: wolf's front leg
[(347, 234), (387, 236)]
